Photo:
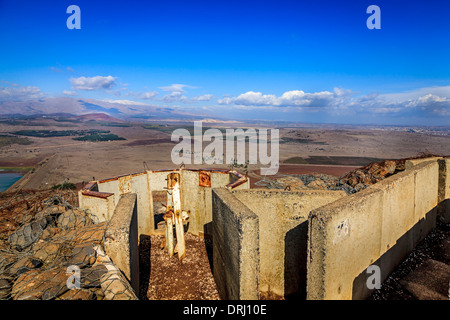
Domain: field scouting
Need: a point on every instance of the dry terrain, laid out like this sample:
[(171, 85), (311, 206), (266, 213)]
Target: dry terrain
[(78, 161)]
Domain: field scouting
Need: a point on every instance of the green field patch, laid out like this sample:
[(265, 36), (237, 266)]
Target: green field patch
[(9, 140), (99, 137), (296, 160), (57, 133), (16, 169), (301, 140)]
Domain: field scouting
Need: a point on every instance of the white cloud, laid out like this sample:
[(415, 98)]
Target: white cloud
[(147, 95), (178, 97), (92, 83), (125, 102), (433, 100), (205, 97), (69, 93), (20, 93), (176, 88), (294, 98)]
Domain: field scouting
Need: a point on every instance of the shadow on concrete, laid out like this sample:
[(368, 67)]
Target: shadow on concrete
[(207, 239), (144, 265), (394, 256), (295, 258)]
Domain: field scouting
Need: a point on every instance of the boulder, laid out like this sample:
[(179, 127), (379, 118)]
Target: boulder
[(317, 185), (6, 260), (27, 234), (73, 219), (24, 264), (91, 277), (82, 256), (5, 287), (48, 252), (77, 294), (43, 285), (50, 233)]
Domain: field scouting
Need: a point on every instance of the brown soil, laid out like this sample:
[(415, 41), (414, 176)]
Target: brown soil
[(19, 163), (167, 278)]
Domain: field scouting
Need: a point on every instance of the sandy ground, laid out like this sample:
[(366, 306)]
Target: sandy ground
[(84, 161)]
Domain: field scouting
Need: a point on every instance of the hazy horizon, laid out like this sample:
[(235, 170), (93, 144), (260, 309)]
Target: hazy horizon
[(293, 61)]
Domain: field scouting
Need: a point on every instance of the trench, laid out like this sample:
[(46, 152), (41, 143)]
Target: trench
[(167, 278)]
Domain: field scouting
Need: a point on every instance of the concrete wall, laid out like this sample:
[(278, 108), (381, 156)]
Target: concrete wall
[(195, 198), (283, 231), (135, 183), (121, 239), (235, 247), (102, 207), (198, 199), (377, 226)]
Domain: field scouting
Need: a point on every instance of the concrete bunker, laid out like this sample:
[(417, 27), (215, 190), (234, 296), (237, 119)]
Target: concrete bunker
[(270, 244), (127, 203)]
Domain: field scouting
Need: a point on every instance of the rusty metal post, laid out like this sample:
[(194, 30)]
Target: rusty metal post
[(168, 217), (179, 229), (174, 215)]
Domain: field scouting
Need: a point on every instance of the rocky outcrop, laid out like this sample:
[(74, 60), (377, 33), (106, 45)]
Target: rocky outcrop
[(351, 182), (41, 247)]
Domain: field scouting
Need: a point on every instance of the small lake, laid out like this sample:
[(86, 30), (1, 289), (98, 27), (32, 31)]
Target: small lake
[(8, 179)]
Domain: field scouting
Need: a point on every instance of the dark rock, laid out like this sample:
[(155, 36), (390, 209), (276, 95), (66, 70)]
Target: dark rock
[(24, 264), (5, 287), (27, 234), (82, 256), (91, 277)]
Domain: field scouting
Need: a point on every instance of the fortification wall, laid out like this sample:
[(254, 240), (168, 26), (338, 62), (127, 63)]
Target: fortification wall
[(134, 183), (235, 247), (195, 197), (121, 239), (377, 226), (100, 205), (283, 231), (269, 243)]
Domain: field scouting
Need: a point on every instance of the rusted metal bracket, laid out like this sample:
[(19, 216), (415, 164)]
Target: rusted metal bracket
[(204, 179)]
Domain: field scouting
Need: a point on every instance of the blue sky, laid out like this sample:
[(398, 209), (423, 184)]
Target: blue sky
[(306, 61)]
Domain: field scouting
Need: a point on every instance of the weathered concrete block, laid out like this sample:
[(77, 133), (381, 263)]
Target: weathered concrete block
[(344, 238), (377, 226), (235, 247), (283, 231), (121, 238), (101, 207)]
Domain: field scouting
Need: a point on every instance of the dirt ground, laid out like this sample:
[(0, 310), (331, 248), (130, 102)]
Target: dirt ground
[(167, 278)]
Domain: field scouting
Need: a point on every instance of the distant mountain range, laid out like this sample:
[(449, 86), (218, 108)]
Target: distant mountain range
[(69, 107)]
